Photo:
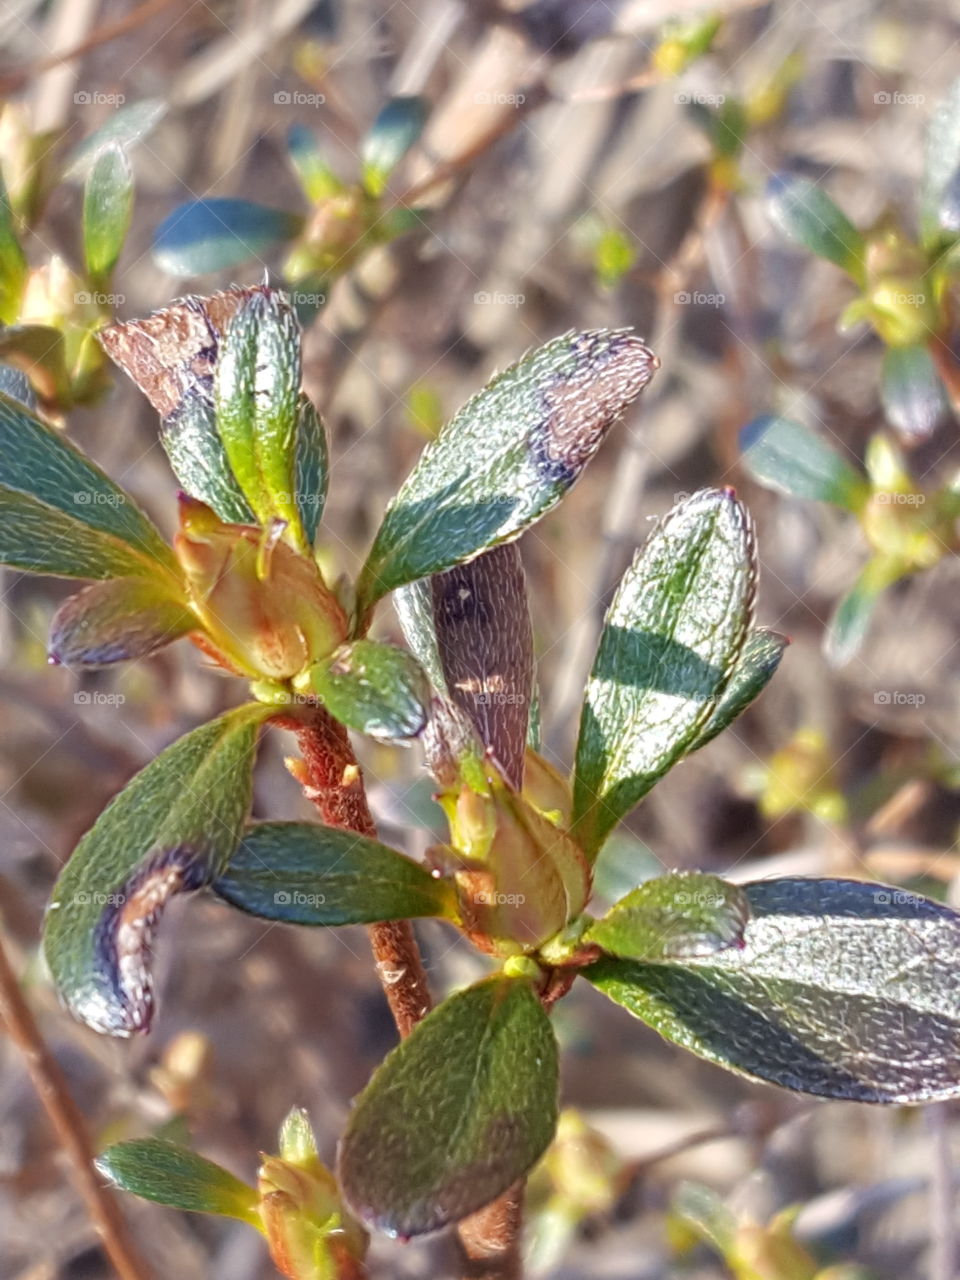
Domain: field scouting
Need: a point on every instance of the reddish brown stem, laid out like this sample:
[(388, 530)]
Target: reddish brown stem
[(332, 780), (490, 1239), (68, 1124)]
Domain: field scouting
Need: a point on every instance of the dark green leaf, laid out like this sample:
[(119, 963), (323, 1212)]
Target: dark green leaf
[(107, 205), (805, 213), (843, 989), (171, 829), (303, 873), (851, 618), (375, 689), (391, 136), (175, 1176), (456, 1114), (124, 128), (913, 396), (60, 514), (677, 916), (13, 264), (116, 620), (787, 456), (507, 457), (257, 405), (941, 164), (199, 460), (755, 667), (311, 468), (671, 639), (212, 235)]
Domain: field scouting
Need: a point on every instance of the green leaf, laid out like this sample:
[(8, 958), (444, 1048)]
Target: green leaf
[(199, 461), (848, 627), (754, 670), (213, 235), (117, 620), (258, 407), (175, 1176), (784, 455), (507, 457), (842, 989), (107, 206), (456, 1114), (485, 647), (13, 264), (311, 468), (374, 688), (676, 916), (124, 128), (805, 214), (940, 167), (39, 351), (671, 640), (60, 514), (316, 178), (913, 396), (303, 873), (391, 136), (171, 829)]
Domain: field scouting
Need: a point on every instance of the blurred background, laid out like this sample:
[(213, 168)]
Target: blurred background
[(571, 164)]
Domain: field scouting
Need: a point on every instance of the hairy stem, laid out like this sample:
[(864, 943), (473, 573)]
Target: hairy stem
[(68, 1124), (490, 1239), (331, 778)]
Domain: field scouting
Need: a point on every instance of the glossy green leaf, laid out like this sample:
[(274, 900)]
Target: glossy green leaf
[(913, 396), (107, 206), (375, 689), (61, 514), (316, 177), (940, 167), (804, 212), (117, 620), (456, 1114), (171, 829), (124, 128), (675, 916), (670, 642), (391, 136), (173, 1175), (848, 626), (258, 408), (13, 264), (15, 384), (842, 989), (507, 457), (311, 468), (485, 648), (199, 461), (754, 670), (303, 873), (213, 235), (784, 455)]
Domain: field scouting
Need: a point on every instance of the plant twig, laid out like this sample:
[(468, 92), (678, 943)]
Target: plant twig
[(68, 1124), (490, 1239), (331, 778)]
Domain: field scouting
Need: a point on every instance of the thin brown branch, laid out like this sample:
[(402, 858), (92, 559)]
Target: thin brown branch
[(331, 778), (68, 1124), (490, 1239)]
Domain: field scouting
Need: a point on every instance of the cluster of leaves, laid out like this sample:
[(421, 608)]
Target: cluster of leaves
[(816, 985), (51, 313), (905, 282), (345, 217)]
